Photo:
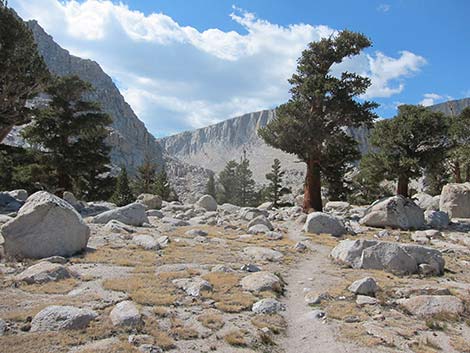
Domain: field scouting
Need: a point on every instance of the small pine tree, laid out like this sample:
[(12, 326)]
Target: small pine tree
[(459, 153), (246, 195), (210, 187), (162, 186), (122, 195), (228, 182), (275, 185), (146, 177)]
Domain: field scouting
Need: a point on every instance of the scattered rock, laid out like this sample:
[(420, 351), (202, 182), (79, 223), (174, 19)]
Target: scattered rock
[(3, 327), (249, 213), (118, 227), (455, 200), (365, 286), (193, 286), (274, 235), (154, 213), (319, 222), (437, 219), (250, 268), (72, 200), (8, 203), (163, 241), (314, 298), (261, 220), (20, 194), (258, 229), (43, 272), (152, 202), (349, 252), (339, 207), (266, 206), (431, 305), (261, 281), (300, 246), (207, 202), (366, 300), (125, 314), (58, 318), (146, 242), (132, 214), (45, 226), (263, 254), (197, 233), (268, 306), (389, 257), (425, 201), (394, 212), (316, 314)]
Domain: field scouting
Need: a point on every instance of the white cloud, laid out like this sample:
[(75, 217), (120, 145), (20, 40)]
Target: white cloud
[(177, 77), (384, 7), (433, 98)]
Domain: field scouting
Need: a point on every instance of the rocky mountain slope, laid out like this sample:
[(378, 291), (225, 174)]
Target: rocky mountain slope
[(130, 140), (213, 146)]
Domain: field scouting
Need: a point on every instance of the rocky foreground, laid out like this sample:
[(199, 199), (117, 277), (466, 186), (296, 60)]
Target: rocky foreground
[(155, 276)]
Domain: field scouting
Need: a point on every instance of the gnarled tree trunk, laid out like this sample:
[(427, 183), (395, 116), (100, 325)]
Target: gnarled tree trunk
[(312, 187), (402, 188), (456, 171)]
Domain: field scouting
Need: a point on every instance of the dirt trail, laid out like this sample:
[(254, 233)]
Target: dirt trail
[(306, 334)]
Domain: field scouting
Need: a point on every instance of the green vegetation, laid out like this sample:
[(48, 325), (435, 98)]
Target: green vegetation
[(274, 187), (321, 105), (23, 73), (122, 194), (70, 134), (414, 140)]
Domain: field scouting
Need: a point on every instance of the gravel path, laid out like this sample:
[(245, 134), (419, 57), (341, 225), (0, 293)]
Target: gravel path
[(305, 333)]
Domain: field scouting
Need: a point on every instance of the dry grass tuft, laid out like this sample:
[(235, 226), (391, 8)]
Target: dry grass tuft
[(181, 331), (120, 257), (275, 323), (236, 338), (211, 321), (59, 287), (425, 345)]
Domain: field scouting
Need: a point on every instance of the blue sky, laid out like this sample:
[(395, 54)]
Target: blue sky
[(186, 64)]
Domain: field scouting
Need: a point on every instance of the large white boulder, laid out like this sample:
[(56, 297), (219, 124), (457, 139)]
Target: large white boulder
[(437, 219), (261, 281), (57, 318), (425, 306), (45, 226), (207, 202), (319, 222), (261, 219), (43, 272), (125, 314), (455, 200), (132, 214), (394, 212), (426, 201), (19, 194), (153, 202), (388, 256)]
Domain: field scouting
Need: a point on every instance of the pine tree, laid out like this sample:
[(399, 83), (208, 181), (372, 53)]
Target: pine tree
[(407, 144), (146, 177), (459, 153), (228, 182), (275, 182), (245, 185), (122, 195), (322, 104), (162, 186), (210, 187), (337, 163), (23, 72), (72, 132)]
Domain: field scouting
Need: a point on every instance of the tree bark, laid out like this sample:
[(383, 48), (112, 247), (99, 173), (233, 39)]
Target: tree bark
[(456, 171), (4, 131), (467, 173), (312, 187), (402, 188)]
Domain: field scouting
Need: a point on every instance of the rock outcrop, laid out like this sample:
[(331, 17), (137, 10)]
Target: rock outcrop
[(455, 200)]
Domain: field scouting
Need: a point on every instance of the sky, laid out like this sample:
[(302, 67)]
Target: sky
[(185, 64)]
